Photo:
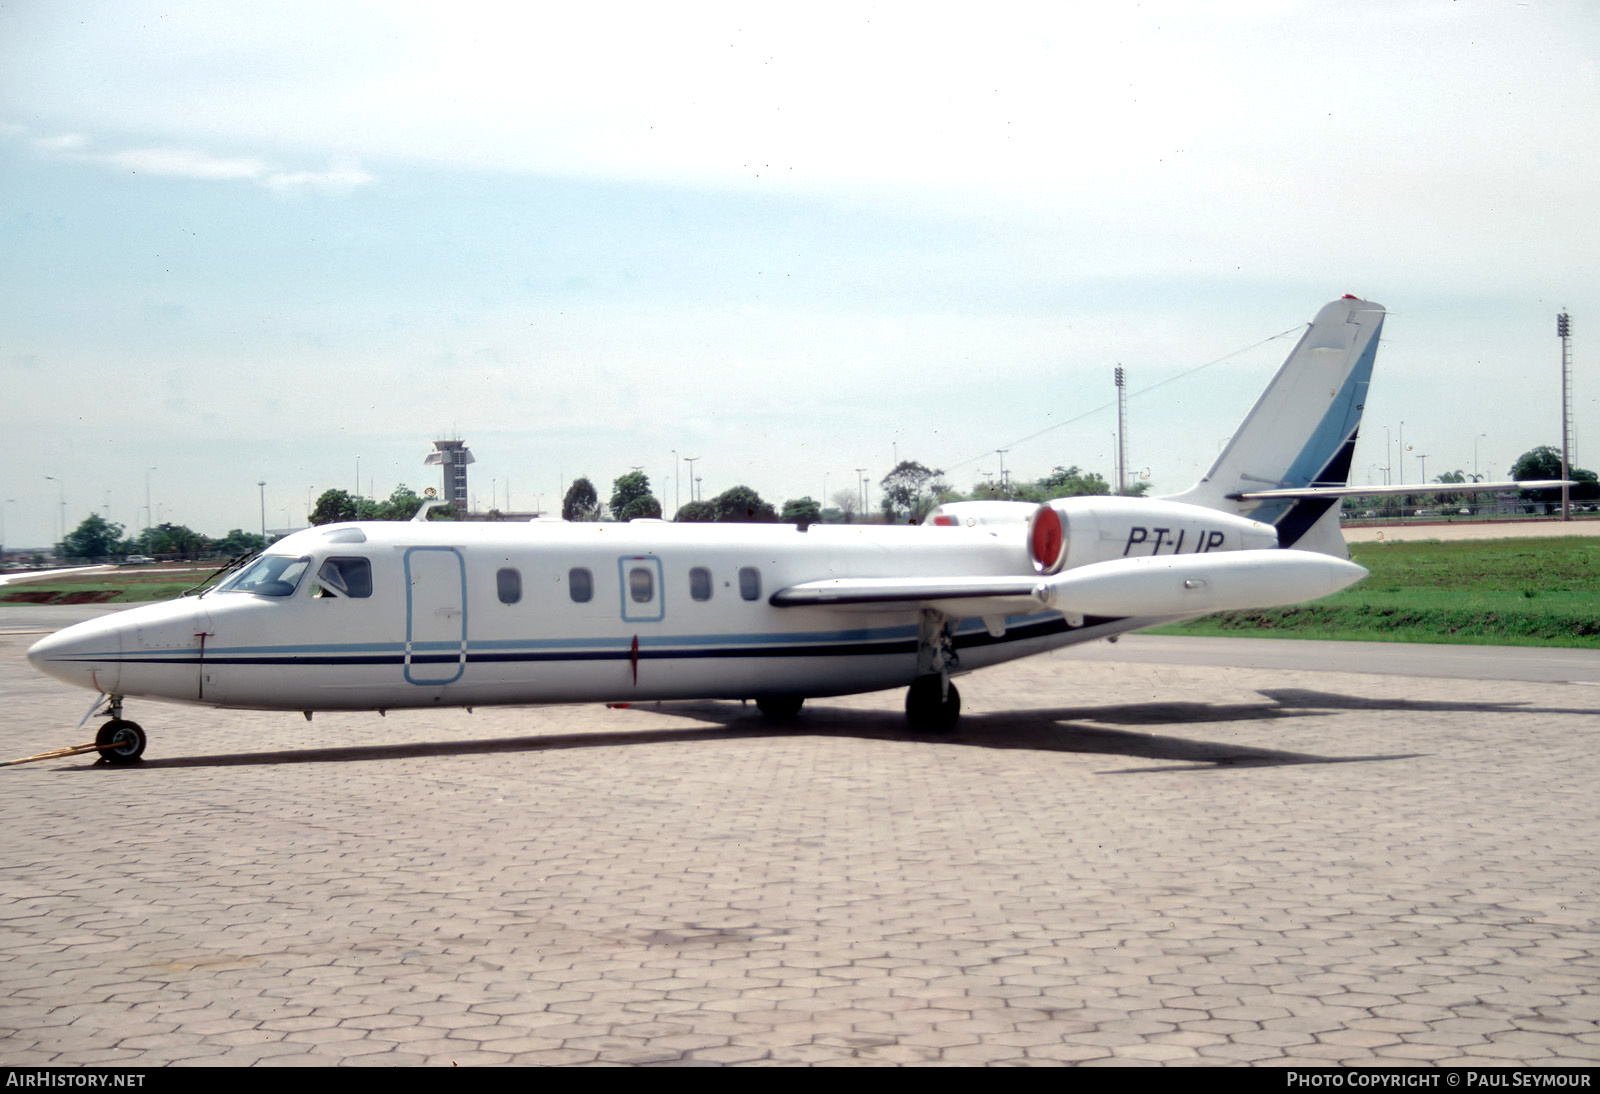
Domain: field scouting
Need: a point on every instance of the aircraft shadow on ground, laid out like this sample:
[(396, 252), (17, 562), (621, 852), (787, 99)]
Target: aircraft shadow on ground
[(1049, 729), (1306, 699)]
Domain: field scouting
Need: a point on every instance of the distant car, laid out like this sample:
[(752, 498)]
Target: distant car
[(138, 560)]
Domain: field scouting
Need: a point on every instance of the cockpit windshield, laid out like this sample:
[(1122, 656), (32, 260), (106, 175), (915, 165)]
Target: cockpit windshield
[(269, 575)]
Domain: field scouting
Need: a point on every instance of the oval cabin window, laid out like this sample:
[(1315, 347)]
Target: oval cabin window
[(508, 584)]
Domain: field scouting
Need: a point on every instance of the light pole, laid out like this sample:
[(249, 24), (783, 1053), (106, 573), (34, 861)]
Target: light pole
[(1475, 476), (1005, 487), (1401, 470), (149, 511), (861, 490), (62, 490), (263, 485), (692, 480)]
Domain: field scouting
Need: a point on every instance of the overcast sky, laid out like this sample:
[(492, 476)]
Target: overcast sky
[(263, 241)]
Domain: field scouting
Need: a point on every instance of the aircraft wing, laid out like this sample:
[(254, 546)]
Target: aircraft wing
[(961, 596), (1403, 488)]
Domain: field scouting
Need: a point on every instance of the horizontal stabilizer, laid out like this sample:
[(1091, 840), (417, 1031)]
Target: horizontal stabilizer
[(1403, 488)]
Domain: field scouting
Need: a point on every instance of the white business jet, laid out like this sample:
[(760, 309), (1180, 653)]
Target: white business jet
[(372, 616)]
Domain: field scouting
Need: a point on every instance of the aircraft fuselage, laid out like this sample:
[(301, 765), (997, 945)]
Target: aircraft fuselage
[(462, 614)]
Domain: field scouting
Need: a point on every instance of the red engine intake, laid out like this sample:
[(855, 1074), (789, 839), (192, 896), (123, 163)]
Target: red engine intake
[(1047, 540)]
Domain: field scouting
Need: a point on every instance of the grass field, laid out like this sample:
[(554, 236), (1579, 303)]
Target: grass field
[(127, 586), (1500, 592)]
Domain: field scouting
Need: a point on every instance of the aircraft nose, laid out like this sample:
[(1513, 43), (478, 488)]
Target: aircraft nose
[(84, 654)]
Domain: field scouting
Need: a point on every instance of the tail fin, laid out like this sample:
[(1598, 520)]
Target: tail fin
[(1302, 431)]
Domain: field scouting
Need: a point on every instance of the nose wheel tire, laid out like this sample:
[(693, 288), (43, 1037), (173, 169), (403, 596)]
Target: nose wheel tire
[(120, 742), (928, 710)]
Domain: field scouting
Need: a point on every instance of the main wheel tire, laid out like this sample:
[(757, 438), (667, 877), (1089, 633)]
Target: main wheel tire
[(927, 711), (780, 708), (120, 742)]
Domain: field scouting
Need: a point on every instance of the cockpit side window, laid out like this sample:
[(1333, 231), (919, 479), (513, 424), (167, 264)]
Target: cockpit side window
[(270, 575), (340, 576)]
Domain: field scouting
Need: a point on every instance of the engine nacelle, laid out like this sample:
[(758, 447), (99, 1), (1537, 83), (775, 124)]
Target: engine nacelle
[(1071, 532), (1190, 585)]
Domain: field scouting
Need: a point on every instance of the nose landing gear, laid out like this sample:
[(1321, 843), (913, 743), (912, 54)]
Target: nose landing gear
[(119, 741)]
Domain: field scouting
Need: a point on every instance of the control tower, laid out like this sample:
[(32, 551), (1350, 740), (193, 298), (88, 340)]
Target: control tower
[(452, 457)]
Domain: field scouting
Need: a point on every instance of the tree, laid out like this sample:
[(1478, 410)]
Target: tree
[(239, 542), (1449, 498), (175, 539), (1071, 482), (332, 507), (801, 511), (910, 490), (581, 502), (403, 504), (846, 501), (742, 504), (1544, 462), (629, 488), (696, 512), (645, 506), (96, 537)]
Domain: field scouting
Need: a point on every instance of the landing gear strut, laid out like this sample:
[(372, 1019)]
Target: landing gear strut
[(932, 702), (120, 741)]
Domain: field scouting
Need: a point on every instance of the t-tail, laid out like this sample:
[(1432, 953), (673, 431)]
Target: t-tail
[(1301, 434)]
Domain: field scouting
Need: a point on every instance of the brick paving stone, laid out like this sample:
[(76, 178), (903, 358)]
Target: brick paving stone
[(563, 886)]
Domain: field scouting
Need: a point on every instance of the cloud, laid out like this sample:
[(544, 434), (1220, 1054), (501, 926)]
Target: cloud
[(183, 163), (339, 178), (193, 163)]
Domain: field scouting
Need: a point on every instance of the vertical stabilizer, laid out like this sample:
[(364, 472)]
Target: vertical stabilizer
[(1302, 431)]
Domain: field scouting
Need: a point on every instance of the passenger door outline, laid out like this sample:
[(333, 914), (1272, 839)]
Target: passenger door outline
[(436, 615), (649, 611)]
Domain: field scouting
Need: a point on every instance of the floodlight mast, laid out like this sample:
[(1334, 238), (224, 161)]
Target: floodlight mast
[(1564, 332), (1122, 432)]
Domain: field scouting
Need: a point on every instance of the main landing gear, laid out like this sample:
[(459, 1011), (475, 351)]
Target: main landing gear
[(780, 708), (932, 705), (932, 702), (120, 741)]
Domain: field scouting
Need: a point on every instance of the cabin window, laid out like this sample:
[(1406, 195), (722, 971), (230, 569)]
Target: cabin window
[(700, 583), (269, 575), (508, 585), (750, 583), (580, 583), (641, 585), (344, 577)]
